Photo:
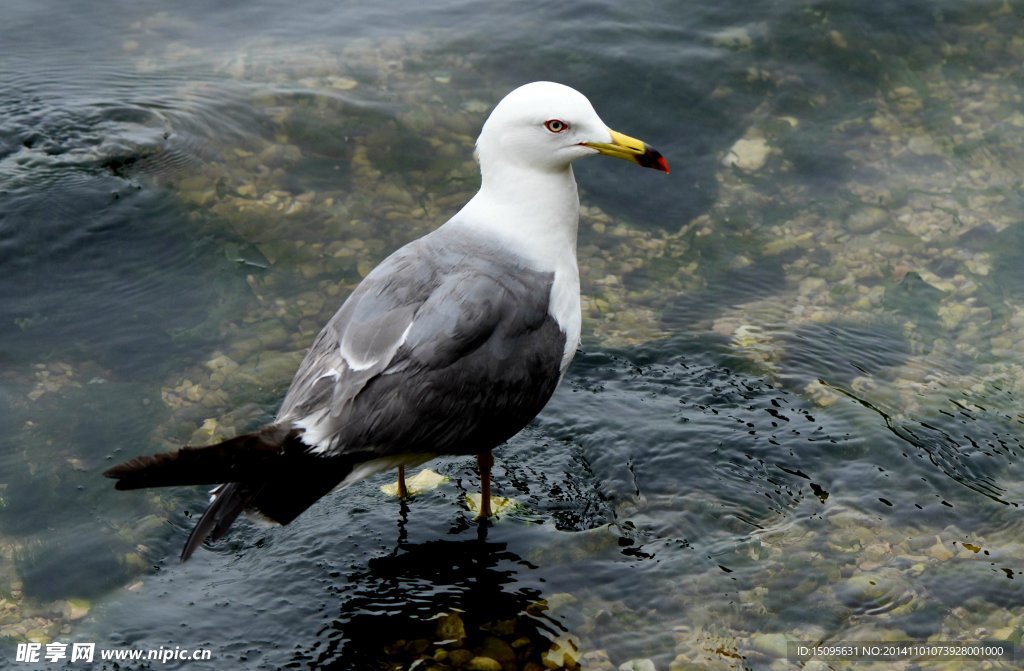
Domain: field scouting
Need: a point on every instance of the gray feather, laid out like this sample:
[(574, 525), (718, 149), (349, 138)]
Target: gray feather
[(458, 347)]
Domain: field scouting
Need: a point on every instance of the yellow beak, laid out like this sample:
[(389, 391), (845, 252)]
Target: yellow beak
[(630, 149)]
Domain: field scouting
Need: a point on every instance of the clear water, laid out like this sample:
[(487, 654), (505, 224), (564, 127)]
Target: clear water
[(796, 415)]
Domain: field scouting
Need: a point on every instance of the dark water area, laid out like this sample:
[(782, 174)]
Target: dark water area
[(795, 417)]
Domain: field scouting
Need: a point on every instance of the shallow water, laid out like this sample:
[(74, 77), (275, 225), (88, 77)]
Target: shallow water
[(795, 417)]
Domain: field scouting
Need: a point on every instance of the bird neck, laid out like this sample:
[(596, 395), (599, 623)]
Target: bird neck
[(534, 212)]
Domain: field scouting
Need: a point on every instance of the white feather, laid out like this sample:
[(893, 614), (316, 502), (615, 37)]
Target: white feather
[(352, 363), (314, 431), (374, 466), (332, 373)]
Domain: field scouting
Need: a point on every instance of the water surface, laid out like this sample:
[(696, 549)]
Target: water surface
[(795, 416)]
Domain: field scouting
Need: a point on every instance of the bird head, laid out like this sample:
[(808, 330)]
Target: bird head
[(547, 126)]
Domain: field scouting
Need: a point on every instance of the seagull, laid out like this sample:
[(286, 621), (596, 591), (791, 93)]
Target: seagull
[(449, 347)]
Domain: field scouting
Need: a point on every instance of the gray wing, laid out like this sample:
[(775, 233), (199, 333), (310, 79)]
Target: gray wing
[(361, 338), (416, 339)]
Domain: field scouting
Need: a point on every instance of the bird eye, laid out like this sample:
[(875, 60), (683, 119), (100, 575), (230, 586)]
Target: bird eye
[(556, 125)]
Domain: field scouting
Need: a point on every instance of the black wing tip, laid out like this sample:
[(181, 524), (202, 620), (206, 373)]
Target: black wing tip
[(229, 501), (119, 471), (200, 532), (187, 551), (140, 472), (127, 474)]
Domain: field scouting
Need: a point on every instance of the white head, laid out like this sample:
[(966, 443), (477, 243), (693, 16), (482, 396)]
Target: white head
[(545, 126)]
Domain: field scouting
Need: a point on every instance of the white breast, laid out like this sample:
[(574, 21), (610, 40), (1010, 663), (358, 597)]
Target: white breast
[(564, 308), (534, 214)]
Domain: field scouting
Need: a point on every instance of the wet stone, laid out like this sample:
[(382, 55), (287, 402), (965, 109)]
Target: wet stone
[(748, 154), (459, 658), (736, 38), (923, 145), (498, 649), (596, 660), (867, 219), (772, 645), (483, 664), (683, 662), (451, 628)]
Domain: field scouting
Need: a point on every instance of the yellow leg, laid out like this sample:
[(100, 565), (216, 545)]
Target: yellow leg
[(484, 461), (403, 491)]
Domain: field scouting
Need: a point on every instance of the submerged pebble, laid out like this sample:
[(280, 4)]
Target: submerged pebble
[(749, 154)]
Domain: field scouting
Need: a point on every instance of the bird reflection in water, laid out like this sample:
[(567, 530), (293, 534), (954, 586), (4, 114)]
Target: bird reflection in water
[(443, 604)]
